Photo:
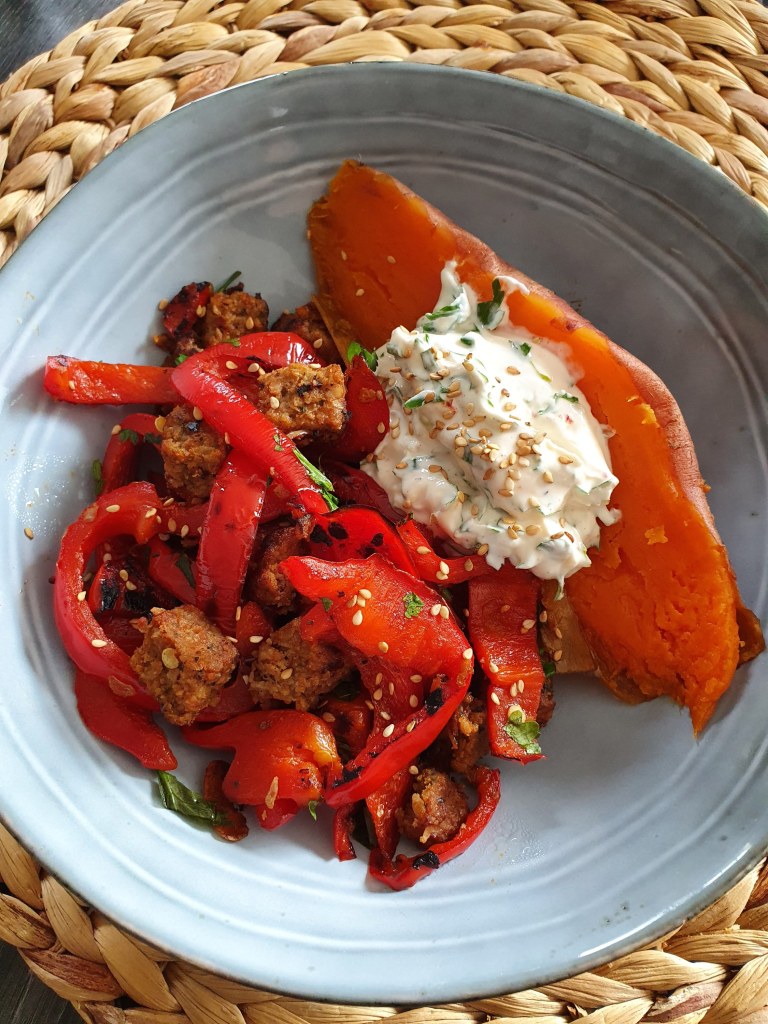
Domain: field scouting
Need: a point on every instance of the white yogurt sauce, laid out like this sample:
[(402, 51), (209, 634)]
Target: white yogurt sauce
[(491, 442)]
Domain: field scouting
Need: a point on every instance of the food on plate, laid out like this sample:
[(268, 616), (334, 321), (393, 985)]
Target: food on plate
[(350, 551)]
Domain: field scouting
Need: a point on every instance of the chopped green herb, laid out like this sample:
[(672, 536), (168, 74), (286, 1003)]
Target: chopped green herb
[(413, 605), (566, 397), (184, 566), (327, 603), (181, 358), (98, 479), (487, 312), (356, 349), (525, 348), (233, 341), (276, 439), (469, 342), (525, 732), (153, 438), (319, 478), (229, 281), (184, 801), (416, 402), (438, 314), (548, 667), (312, 808), (128, 435)]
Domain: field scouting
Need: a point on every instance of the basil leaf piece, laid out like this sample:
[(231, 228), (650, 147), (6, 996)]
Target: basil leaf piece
[(184, 566), (524, 731), (175, 796), (413, 605), (318, 477), (487, 311), (356, 349), (327, 603)]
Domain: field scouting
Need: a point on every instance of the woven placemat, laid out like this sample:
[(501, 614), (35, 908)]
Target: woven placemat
[(696, 73)]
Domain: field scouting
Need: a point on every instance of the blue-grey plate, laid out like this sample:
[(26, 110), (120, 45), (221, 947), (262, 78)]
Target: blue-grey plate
[(630, 825)]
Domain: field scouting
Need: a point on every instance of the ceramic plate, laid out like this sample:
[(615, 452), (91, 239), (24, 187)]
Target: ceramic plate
[(630, 825)]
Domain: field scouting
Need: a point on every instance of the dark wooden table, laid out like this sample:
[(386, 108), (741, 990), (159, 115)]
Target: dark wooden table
[(28, 27)]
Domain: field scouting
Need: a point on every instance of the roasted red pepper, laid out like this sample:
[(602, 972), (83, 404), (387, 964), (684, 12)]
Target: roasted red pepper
[(118, 467), (275, 349), (227, 539), (343, 827), (368, 412), (357, 533), (251, 627), (350, 721), (395, 622), (182, 313), (86, 382), (354, 487), (404, 871), (432, 567), (172, 570), (234, 827), (282, 760), (128, 510), (116, 721), (200, 379), (503, 610)]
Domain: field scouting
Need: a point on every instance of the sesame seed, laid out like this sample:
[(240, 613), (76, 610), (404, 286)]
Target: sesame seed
[(495, 697), (274, 403), (71, 385), (442, 576), (386, 716), (422, 550), (357, 618), (318, 343), (98, 643), (150, 513), (255, 639), (123, 574), (565, 460), (359, 292), (197, 413), (129, 585), (361, 602), (343, 255), (116, 429), (369, 705), (409, 728), (200, 310), (328, 717), (172, 526), (543, 617), (169, 658), (547, 477), (230, 365), (413, 769), (82, 595), (381, 428), (460, 442), (383, 646), (467, 654), (520, 685), (416, 678), (532, 530), (378, 694), (28, 533), (429, 397), (461, 497), (391, 259), (112, 508), (444, 612), (388, 730), (159, 423), (558, 633), (444, 568), (107, 558), (528, 624), (483, 549), (513, 690), (557, 655), (434, 610), (271, 798), (286, 673), (352, 601), (162, 304), (169, 501), (493, 667), (184, 530), (254, 368)]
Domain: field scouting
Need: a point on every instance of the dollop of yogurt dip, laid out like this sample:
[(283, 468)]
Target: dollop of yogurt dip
[(491, 443)]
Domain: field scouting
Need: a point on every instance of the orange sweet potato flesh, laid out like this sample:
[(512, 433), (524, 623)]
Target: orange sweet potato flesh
[(659, 606)]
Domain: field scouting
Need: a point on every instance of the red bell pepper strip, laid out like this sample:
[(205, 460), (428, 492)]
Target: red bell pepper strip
[(168, 569), (404, 871), (116, 721), (357, 533), (251, 627), (428, 563), (120, 629), (503, 610), (179, 518), (281, 762), (354, 487), (200, 380), (275, 349), (86, 382), (227, 540), (128, 510), (383, 805), (180, 316), (343, 827), (350, 721), (234, 699), (368, 422), (395, 621), (118, 467), (234, 827)]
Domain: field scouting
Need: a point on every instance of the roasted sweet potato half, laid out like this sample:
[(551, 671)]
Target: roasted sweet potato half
[(659, 607)]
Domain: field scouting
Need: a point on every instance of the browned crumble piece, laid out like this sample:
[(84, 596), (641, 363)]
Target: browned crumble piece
[(437, 809), (266, 584), (287, 668), (192, 454), (309, 325), (184, 660), (469, 739), (231, 314), (300, 398)]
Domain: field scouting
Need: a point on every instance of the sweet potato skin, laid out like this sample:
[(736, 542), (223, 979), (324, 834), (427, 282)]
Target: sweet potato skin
[(659, 606)]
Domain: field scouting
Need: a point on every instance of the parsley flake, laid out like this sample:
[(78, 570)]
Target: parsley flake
[(525, 348), (413, 605), (488, 312), (98, 479), (327, 603), (566, 397), (153, 438), (229, 281), (276, 439), (181, 358), (312, 808), (524, 731), (356, 349), (184, 566), (128, 435)]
